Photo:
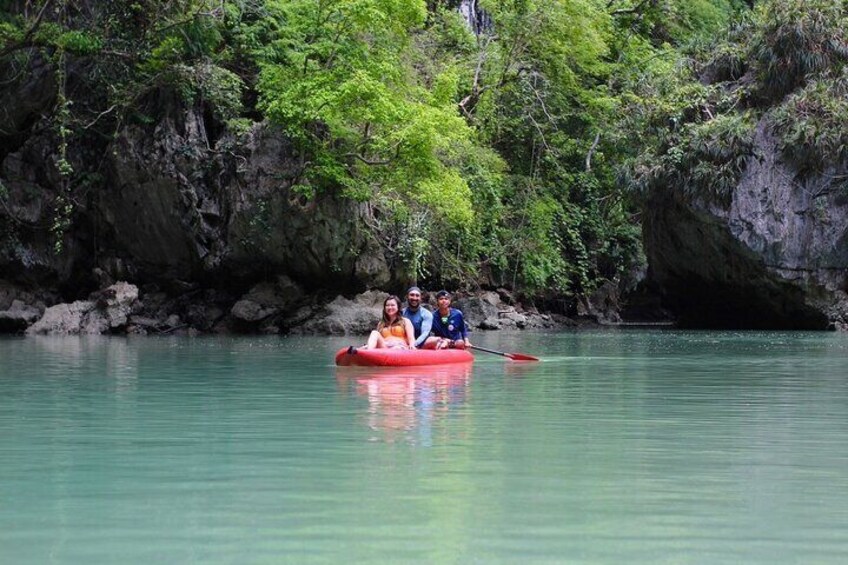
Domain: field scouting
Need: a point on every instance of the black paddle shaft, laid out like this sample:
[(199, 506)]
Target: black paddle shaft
[(489, 350), (513, 356)]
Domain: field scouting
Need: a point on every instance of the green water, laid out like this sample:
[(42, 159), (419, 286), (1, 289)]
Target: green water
[(619, 447)]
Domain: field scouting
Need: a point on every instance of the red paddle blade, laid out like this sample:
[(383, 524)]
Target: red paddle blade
[(521, 357)]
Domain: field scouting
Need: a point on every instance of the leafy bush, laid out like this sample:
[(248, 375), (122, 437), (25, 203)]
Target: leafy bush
[(797, 39), (810, 124), (216, 86), (704, 161)]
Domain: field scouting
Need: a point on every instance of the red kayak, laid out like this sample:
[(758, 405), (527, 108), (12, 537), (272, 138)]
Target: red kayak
[(401, 357)]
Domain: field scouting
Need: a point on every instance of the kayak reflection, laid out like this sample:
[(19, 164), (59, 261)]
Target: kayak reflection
[(409, 403)]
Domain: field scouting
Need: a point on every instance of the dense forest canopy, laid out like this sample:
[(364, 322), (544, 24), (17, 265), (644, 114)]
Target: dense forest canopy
[(513, 148)]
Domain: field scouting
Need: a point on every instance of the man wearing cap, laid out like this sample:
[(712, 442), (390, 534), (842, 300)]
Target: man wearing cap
[(421, 318), (448, 325)]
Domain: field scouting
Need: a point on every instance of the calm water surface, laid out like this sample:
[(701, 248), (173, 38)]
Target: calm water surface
[(619, 447)]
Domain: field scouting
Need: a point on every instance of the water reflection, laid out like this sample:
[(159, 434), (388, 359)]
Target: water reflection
[(409, 404), (102, 356)]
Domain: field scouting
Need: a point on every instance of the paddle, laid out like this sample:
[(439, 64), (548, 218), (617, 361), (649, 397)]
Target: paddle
[(513, 356)]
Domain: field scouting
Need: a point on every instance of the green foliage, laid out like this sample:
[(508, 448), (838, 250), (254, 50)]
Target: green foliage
[(797, 39), (658, 95), (541, 90), (135, 49), (712, 155), (699, 17), (10, 34), (543, 262), (726, 62), (701, 159), (78, 42), (339, 78), (675, 22), (488, 159), (216, 86), (789, 55), (450, 33), (810, 124)]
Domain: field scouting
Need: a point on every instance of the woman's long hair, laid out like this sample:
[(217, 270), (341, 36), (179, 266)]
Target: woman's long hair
[(385, 322)]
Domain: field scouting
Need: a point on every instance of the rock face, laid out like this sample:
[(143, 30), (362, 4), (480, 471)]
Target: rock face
[(181, 210), (602, 305), (104, 312), (342, 316), (18, 317), (180, 199), (19, 307), (264, 303), (776, 257), (360, 314)]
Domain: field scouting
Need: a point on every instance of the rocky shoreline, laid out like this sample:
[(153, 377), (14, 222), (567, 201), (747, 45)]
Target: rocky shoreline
[(274, 307)]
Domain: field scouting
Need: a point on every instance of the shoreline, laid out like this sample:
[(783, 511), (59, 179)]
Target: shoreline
[(277, 308)]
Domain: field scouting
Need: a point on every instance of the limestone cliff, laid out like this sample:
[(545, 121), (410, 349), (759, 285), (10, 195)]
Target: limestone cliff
[(180, 199), (776, 256)]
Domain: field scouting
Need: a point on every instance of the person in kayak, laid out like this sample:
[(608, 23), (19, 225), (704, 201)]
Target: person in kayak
[(393, 331), (421, 318), (449, 329)]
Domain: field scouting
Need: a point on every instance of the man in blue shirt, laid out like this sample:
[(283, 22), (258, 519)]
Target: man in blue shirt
[(448, 326), (421, 318)]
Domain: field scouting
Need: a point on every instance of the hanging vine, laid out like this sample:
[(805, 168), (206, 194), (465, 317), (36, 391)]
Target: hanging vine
[(63, 205)]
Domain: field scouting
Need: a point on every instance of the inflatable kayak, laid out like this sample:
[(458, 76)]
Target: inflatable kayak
[(401, 357)]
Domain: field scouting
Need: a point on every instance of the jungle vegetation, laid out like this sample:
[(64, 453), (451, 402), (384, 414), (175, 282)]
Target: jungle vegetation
[(511, 146)]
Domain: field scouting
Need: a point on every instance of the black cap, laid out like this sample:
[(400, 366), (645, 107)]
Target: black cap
[(413, 289), (442, 293)]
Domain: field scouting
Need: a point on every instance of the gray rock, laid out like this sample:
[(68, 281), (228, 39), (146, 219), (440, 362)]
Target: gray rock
[(26, 94), (506, 296), (507, 323), (603, 305), (477, 309), (178, 208), (145, 322), (272, 297), (265, 300), (116, 303), (345, 317), (250, 311), (490, 324), (18, 317), (62, 319), (300, 317), (204, 316), (109, 310), (514, 318)]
